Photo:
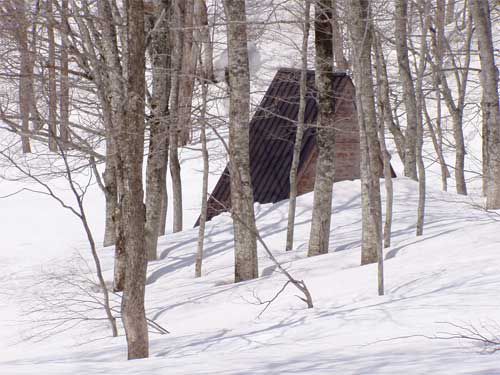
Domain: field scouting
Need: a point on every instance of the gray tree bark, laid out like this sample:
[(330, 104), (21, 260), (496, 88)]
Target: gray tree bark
[(52, 130), (490, 101), (385, 117), (424, 26), (25, 73), (319, 236), (174, 163), (300, 129), (362, 38), (204, 188), (159, 51), (64, 76), (245, 241), (409, 98), (133, 210), (456, 109)]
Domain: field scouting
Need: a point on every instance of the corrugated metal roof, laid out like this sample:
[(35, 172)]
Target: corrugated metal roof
[(272, 136)]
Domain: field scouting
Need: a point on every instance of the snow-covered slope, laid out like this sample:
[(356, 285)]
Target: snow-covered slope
[(451, 275)]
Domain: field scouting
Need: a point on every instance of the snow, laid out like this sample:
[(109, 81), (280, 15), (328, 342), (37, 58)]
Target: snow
[(450, 275)]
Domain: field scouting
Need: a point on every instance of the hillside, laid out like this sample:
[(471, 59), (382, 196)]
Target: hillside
[(450, 276)]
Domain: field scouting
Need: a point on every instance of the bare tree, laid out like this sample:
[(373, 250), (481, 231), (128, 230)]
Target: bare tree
[(245, 245), (131, 136), (300, 129), (385, 116), (362, 38), (456, 105), (159, 51), (52, 129), (409, 98), (424, 26), (177, 36), (490, 103), (325, 166)]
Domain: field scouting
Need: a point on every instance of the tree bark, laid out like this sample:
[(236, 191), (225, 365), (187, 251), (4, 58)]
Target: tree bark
[(424, 26), (25, 73), (52, 130), (385, 116), (319, 237), (401, 23), (204, 188), (159, 51), (133, 210), (361, 34), (175, 166), (300, 130), (64, 76), (490, 101), (245, 242)]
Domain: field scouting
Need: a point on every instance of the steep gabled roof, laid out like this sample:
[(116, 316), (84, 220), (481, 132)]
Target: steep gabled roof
[(272, 137)]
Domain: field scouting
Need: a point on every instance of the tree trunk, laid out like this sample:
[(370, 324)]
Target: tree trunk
[(133, 210), (159, 51), (424, 26), (110, 194), (245, 242), (385, 117), (187, 74), (175, 167), (490, 101), (52, 130), (361, 33), (204, 188), (25, 73), (325, 167), (338, 40), (299, 132), (401, 15), (64, 79)]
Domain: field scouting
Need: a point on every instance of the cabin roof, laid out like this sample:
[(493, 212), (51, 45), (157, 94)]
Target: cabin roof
[(272, 137)]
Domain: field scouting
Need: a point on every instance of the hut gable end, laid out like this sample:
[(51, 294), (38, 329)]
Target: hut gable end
[(272, 136)]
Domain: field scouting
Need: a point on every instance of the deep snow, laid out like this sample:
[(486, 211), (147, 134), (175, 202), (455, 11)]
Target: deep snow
[(450, 275)]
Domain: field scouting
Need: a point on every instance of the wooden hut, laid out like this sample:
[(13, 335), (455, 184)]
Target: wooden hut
[(272, 137)]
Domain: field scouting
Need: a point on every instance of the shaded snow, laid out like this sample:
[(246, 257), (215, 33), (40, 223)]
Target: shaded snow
[(451, 274)]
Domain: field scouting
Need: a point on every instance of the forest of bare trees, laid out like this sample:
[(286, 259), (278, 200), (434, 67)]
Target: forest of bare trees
[(120, 88)]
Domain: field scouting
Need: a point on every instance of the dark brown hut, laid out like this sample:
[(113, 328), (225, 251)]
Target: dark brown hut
[(272, 137)]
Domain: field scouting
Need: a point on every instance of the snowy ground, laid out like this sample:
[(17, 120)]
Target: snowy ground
[(451, 275)]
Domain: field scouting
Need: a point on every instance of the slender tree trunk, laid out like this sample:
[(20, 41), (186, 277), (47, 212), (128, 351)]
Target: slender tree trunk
[(159, 51), (52, 130), (457, 109), (164, 202), (204, 188), (175, 166), (319, 237), (245, 241), (383, 82), (187, 74), (26, 73), (385, 117), (338, 40), (361, 34), (300, 130), (425, 22), (401, 24), (133, 210), (64, 78), (490, 101), (110, 194)]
